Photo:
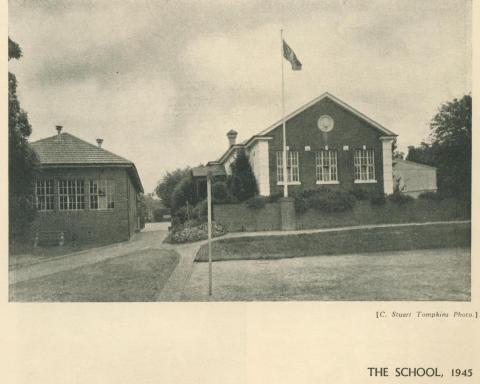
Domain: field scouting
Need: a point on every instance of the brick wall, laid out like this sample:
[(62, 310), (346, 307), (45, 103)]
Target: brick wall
[(349, 130), (97, 226), (239, 218)]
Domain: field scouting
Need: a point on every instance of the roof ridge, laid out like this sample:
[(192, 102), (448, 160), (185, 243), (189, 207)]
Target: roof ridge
[(95, 146)]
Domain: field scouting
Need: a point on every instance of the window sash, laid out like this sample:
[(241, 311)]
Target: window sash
[(326, 166), (102, 194), (364, 164), (71, 195), (45, 195), (293, 173)]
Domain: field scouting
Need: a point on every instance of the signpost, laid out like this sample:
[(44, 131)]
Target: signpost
[(209, 202)]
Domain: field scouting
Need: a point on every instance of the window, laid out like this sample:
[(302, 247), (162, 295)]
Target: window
[(326, 167), (45, 195), (71, 194), (292, 167), (364, 165), (102, 194)]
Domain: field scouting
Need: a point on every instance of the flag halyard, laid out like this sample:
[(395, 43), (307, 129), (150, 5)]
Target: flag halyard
[(291, 57)]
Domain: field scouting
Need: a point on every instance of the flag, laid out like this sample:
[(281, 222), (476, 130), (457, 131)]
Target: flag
[(291, 57)]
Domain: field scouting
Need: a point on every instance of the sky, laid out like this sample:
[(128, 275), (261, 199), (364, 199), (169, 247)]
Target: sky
[(162, 82)]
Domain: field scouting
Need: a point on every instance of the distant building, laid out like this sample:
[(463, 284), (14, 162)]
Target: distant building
[(330, 145), (413, 178), (84, 193)]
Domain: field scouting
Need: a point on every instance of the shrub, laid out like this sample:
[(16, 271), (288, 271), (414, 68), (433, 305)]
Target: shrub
[(200, 211), (300, 204), (378, 199), (220, 192), (399, 198), (273, 198), (242, 183), (184, 192), (360, 193), (328, 201), (256, 202), (190, 233), (431, 195)]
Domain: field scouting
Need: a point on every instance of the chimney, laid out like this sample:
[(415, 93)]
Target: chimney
[(59, 128), (99, 142), (232, 137)]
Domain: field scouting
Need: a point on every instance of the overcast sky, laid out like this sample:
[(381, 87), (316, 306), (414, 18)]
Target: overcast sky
[(163, 81)]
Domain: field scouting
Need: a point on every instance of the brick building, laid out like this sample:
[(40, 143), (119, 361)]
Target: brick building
[(84, 193), (329, 144)]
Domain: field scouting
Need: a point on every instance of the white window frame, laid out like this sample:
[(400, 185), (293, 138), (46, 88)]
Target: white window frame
[(293, 171), (71, 195), (364, 166), (45, 195), (102, 194), (326, 167)]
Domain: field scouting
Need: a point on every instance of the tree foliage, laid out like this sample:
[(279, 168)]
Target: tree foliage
[(21, 159), (243, 184), (450, 149), (166, 186)]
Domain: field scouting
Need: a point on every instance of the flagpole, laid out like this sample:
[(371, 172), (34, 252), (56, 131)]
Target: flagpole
[(285, 175)]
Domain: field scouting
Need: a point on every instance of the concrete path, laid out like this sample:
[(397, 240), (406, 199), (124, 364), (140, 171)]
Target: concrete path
[(336, 229), (152, 238)]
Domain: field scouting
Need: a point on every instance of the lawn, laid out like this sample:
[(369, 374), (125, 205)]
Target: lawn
[(138, 276), (429, 275), (341, 242)]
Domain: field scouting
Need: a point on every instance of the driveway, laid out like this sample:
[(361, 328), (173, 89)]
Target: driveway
[(150, 238)]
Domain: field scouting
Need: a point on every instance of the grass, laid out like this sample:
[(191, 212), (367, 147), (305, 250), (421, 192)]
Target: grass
[(138, 276), (426, 275), (341, 242)]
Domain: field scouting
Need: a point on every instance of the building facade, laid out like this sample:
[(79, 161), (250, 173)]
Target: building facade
[(329, 145), (414, 179), (83, 192)]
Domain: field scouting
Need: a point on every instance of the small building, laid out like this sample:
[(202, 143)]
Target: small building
[(83, 192), (414, 178), (329, 145)]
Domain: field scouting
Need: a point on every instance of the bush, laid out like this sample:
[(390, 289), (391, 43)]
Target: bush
[(158, 214), (220, 192), (256, 202), (378, 199), (328, 201), (431, 196), (242, 183), (300, 204), (273, 198), (360, 193), (192, 232), (200, 212), (399, 198), (184, 192)]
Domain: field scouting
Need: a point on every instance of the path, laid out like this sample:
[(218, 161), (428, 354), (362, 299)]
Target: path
[(151, 238)]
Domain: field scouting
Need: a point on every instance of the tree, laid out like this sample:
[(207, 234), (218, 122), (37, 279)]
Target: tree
[(166, 186), (243, 184), (450, 149), (21, 160)]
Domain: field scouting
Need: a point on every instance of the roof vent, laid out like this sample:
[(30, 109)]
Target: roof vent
[(59, 128), (99, 142)]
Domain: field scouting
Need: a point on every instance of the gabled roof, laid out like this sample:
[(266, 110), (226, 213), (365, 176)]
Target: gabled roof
[(68, 150), (336, 100), (262, 134)]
